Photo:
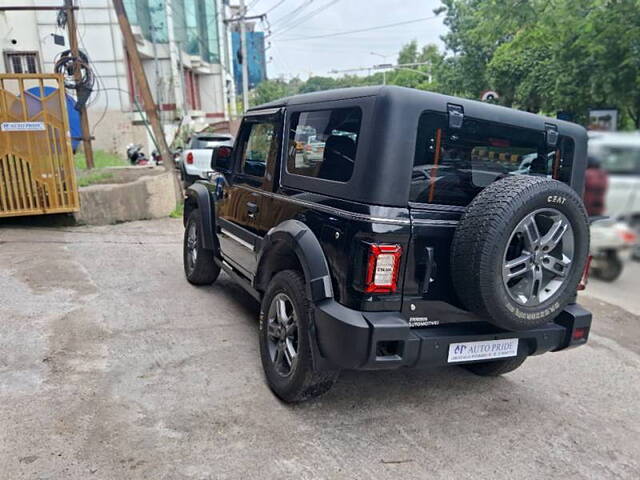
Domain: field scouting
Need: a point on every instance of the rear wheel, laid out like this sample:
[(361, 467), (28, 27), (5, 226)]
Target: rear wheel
[(199, 265), (496, 367), (285, 319)]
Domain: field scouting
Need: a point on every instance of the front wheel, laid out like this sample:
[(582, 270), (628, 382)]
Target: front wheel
[(199, 265), (495, 368), (285, 349)]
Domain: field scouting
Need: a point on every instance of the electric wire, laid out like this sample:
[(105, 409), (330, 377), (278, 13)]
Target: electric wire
[(287, 18), (308, 16), (349, 32), (274, 7)]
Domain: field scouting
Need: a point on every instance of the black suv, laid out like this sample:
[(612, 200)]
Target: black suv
[(421, 230)]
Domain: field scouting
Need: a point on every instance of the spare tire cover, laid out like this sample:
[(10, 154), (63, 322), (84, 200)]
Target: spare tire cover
[(519, 251)]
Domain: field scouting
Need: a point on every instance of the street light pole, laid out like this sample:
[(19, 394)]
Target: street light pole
[(384, 72)]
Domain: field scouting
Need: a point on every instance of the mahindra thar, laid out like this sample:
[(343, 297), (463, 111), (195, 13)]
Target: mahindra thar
[(385, 227)]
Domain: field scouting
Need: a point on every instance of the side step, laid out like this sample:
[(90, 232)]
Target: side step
[(239, 279)]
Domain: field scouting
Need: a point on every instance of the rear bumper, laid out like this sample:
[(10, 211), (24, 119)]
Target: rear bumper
[(351, 339)]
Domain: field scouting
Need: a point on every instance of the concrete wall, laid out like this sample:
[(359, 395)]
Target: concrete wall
[(147, 197)]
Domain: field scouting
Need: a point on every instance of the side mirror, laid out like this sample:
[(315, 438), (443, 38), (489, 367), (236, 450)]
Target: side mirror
[(221, 158)]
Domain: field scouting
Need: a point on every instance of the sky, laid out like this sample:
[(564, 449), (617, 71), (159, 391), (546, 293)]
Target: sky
[(292, 53)]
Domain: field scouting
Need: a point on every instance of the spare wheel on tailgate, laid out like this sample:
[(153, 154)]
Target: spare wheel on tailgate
[(519, 251)]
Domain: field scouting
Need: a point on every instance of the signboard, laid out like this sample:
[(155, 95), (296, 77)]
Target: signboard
[(603, 119), (22, 127)]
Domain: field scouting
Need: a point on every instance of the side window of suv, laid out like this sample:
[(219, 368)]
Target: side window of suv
[(323, 143), (259, 149)]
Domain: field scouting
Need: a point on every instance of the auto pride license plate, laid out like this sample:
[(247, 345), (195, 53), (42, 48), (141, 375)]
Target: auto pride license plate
[(486, 350)]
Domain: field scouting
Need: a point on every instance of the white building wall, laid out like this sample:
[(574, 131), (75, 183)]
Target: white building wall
[(113, 118)]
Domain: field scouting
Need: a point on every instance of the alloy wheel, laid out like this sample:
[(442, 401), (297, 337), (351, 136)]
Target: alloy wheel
[(538, 257), (192, 245), (282, 334)]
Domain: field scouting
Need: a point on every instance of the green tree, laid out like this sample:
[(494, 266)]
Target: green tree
[(418, 76), (270, 90), (545, 55), (316, 84)]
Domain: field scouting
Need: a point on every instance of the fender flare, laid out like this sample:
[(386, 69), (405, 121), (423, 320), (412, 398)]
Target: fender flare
[(299, 238), (198, 196)]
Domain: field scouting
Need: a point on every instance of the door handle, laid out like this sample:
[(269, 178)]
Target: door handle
[(252, 209)]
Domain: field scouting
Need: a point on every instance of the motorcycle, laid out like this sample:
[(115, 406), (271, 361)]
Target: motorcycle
[(609, 239), (135, 155), (156, 157)]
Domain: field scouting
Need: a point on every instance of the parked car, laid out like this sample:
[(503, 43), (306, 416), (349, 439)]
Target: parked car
[(378, 258), (619, 155), (195, 160)]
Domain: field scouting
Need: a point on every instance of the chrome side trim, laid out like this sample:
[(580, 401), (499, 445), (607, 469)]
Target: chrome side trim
[(436, 206), (362, 217), (343, 213), (237, 239), (420, 221)]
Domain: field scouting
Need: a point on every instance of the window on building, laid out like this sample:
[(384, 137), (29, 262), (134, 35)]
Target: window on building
[(22, 62), (323, 143), (192, 89)]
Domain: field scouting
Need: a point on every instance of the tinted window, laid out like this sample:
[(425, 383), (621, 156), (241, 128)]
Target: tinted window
[(260, 147), (204, 143), (323, 143), (452, 166)]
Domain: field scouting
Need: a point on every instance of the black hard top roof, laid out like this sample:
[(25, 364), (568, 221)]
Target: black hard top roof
[(473, 108), (389, 132), (326, 96)]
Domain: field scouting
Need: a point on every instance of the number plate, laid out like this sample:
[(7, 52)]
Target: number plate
[(487, 350)]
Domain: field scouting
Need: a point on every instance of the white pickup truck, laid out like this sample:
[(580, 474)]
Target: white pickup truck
[(195, 161)]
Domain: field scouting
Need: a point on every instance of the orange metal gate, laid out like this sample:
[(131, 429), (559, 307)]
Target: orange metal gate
[(37, 173)]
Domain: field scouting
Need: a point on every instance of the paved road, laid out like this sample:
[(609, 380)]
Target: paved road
[(112, 367), (624, 292)]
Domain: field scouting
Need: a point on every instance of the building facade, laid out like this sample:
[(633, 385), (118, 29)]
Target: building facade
[(184, 50)]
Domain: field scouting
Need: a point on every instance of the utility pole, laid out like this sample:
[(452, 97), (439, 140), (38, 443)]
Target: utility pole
[(175, 57), (226, 58), (73, 44), (142, 83), (245, 58)]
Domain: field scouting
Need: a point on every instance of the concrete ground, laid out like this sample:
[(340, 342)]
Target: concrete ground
[(113, 367)]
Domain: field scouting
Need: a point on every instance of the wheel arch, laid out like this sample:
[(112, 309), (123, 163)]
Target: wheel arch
[(292, 245), (197, 196)]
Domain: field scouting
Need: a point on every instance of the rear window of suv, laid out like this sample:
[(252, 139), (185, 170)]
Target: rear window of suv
[(323, 143), (207, 143), (452, 165)]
